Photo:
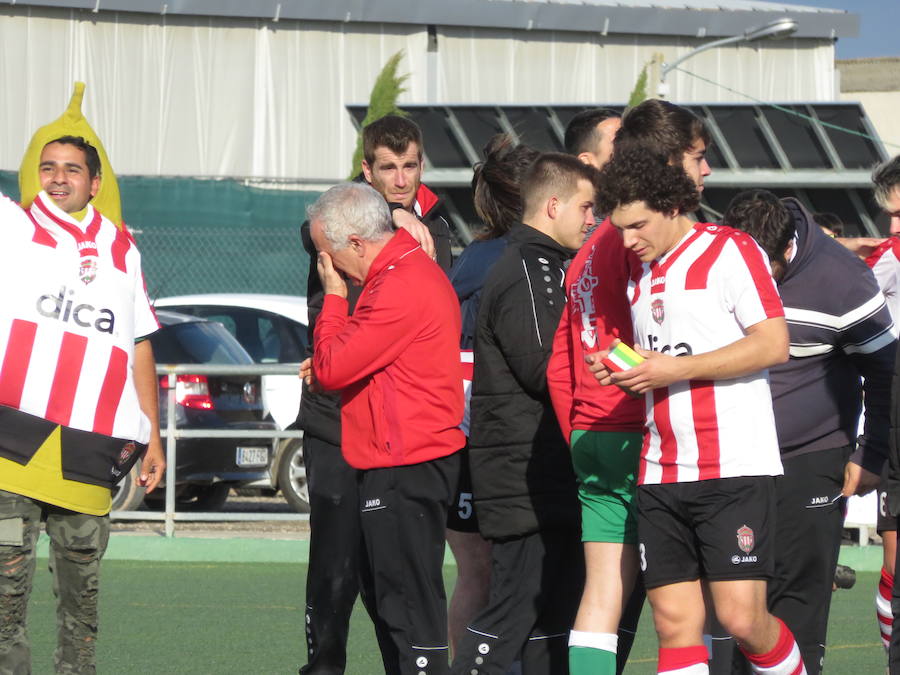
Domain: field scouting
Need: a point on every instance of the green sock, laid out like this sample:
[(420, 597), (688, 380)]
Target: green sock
[(590, 661)]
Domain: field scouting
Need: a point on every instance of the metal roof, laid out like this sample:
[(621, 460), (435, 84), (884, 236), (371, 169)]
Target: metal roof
[(694, 18), (723, 5), (821, 153)]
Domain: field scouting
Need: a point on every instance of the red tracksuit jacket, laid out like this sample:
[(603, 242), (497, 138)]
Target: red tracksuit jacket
[(396, 361), (597, 311)]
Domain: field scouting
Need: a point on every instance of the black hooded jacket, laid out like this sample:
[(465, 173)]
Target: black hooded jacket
[(840, 331)]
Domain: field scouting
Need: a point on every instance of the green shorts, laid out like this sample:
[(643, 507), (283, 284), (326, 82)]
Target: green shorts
[(606, 465)]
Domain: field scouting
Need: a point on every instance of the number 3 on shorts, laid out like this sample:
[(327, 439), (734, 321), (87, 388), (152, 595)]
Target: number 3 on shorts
[(465, 505), (643, 553)]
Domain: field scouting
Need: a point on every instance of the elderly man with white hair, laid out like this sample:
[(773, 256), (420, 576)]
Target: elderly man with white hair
[(396, 363)]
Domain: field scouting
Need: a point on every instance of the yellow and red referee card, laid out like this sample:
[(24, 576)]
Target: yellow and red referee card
[(622, 358)]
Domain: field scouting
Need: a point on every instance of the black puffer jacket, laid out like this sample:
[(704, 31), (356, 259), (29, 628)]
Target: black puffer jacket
[(320, 414), (522, 474)]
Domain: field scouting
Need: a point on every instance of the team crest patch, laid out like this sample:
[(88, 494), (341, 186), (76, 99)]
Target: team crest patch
[(745, 539), (127, 451), (87, 271), (657, 310)]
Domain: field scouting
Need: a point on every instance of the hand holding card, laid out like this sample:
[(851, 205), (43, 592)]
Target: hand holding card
[(620, 358)]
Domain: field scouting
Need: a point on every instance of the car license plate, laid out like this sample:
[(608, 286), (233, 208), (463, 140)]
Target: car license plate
[(250, 456)]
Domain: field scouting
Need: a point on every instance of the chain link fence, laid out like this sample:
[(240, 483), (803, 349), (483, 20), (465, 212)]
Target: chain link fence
[(213, 235)]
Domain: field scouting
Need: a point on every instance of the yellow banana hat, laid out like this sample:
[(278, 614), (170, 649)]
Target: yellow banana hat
[(70, 123)]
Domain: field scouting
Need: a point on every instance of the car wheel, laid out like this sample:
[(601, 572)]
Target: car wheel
[(292, 476), (127, 494)]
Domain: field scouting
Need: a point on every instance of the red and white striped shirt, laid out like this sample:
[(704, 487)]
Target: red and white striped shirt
[(701, 296), (885, 265), (74, 303)]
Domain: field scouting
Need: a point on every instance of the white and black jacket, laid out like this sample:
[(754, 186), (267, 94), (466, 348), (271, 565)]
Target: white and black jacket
[(840, 332), (522, 477)]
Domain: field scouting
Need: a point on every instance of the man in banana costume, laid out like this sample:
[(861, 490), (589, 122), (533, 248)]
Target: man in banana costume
[(78, 388)]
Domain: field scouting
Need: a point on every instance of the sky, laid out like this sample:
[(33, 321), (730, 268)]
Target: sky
[(879, 27)]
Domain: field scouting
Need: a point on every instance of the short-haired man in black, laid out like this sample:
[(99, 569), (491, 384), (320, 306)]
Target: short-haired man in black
[(392, 164), (590, 134), (522, 479)]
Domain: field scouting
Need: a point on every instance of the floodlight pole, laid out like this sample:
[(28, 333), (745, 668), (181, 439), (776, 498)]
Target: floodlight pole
[(780, 28)]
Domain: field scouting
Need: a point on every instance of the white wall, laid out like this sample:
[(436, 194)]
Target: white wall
[(881, 107), (518, 66), (225, 97)]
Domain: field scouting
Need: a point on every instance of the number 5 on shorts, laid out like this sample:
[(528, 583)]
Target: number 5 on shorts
[(465, 505)]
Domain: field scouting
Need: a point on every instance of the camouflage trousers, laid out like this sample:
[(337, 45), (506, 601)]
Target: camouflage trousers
[(77, 543)]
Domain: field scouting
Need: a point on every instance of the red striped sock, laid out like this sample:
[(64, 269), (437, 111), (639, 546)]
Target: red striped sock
[(783, 659), (883, 606), (683, 660)]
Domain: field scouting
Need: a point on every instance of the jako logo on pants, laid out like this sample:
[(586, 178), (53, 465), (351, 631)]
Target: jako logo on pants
[(64, 308)]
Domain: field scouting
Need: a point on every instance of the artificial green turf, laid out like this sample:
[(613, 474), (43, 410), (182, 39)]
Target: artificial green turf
[(241, 619)]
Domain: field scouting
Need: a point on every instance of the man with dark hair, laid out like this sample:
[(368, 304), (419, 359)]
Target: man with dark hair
[(842, 348), (392, 164), (830, 223), (708, 322), (602, 423), (91, 156), (523, 485), (78, 393), (590, 134), (664, 129), (762, 215)]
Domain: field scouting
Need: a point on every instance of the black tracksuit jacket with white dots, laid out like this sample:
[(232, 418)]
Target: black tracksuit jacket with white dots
[(522, 474)]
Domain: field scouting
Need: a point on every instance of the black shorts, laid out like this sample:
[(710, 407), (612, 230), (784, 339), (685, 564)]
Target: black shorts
[(885, 522), (721, 529), (461, 516)]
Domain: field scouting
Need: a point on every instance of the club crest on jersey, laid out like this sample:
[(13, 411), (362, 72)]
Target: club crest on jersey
[(657, 310), (127, 451), (745, 539), (87, 270)]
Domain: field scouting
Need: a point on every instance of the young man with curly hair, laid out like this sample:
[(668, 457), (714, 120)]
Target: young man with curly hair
[(708, 323), (603, 424)]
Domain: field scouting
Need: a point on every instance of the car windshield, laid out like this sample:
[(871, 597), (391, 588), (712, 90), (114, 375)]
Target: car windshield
[(197, 342), (267, 336)]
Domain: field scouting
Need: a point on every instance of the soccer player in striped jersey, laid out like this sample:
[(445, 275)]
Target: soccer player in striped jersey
[(78, 397), (708, 322), (885, 263), (603, 424)]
